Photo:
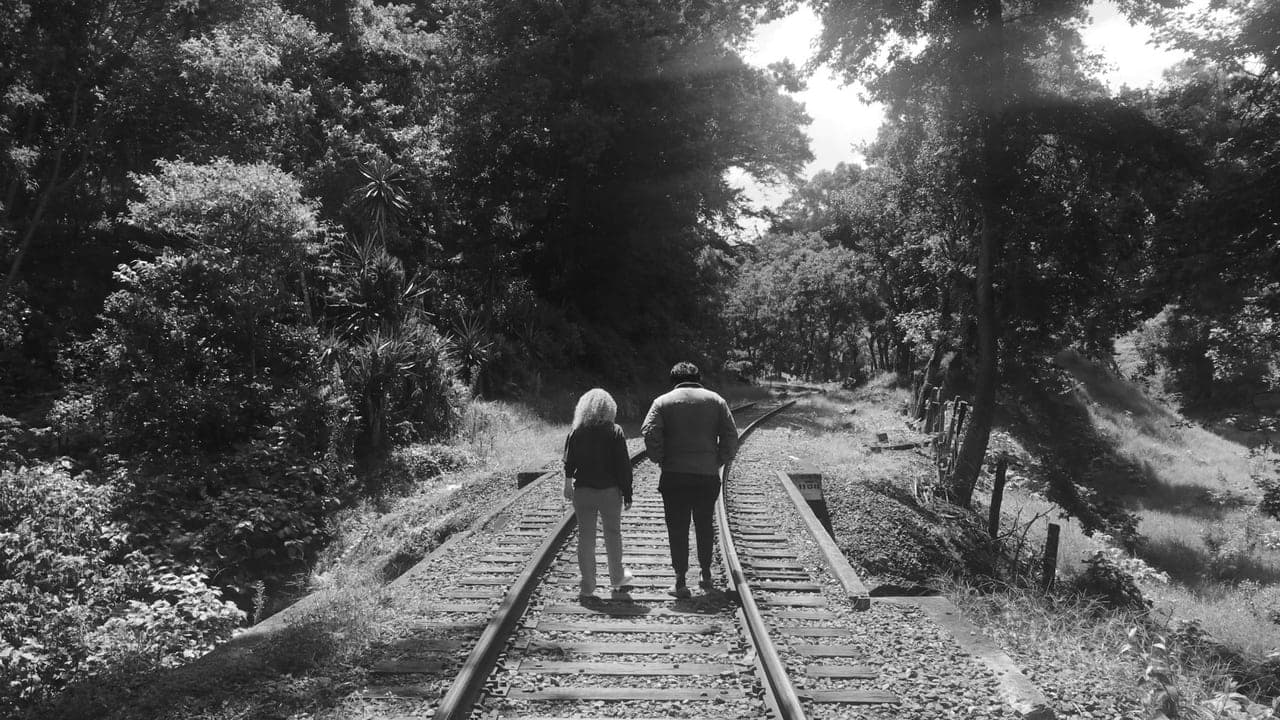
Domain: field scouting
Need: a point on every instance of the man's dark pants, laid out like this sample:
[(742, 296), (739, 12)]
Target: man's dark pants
[(686, 496)]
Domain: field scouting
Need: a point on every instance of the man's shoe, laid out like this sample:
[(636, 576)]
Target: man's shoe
[(620, 595), (706, 584), (680, 591)]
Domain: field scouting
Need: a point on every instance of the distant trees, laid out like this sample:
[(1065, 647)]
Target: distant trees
[(798, 307)]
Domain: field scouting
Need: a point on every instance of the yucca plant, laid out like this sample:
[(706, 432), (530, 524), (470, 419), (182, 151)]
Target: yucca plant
[(403, 386), (379, 201), (377, 293), (473, 343)]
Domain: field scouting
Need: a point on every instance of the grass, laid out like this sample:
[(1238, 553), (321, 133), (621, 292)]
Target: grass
[(1197, 513), (1072, 649), (1069, 648), (442, 490), (1193, 490)]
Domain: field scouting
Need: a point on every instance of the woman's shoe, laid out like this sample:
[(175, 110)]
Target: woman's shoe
[(628, 581), (680, 591)]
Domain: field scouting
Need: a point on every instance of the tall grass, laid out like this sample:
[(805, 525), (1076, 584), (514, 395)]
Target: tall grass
[(1108, 662), (1197, 512), (442, 489)]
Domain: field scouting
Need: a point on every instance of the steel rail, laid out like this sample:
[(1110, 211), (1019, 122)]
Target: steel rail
[(460, 699), (782, 694)]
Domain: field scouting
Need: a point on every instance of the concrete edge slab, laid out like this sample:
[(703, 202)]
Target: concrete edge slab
[(831, 552), (1016, 689)]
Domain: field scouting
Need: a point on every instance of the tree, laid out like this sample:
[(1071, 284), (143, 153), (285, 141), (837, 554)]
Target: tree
[(205, 375), (797, 307), (588, 146), (997, 118), (1218, 255)]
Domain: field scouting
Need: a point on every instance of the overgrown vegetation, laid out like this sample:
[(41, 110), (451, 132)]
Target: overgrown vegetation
[(256, 253), (267, 264)]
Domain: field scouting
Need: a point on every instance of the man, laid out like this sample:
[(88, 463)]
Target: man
[(689, 432)]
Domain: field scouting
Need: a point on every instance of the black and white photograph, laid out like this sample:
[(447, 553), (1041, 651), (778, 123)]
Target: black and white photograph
[(639, 359)]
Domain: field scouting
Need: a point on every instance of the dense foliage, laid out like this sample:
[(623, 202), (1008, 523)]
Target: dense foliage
[(251, 247), (76, 597)]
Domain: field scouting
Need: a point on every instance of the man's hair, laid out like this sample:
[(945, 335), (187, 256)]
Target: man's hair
[(685, 372)]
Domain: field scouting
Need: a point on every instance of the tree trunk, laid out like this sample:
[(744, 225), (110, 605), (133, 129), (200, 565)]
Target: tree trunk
[(990, 199), (11, 278)]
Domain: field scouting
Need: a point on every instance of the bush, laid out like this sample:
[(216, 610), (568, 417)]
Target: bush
[(1104, 580), (205, 377), (196, 352), (75, 599), (1269, 505), (1232, 549), (396, 368), (257, 513), (1201, 357)]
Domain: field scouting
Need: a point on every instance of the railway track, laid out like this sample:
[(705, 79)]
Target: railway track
[(508, 636), (490, 626)]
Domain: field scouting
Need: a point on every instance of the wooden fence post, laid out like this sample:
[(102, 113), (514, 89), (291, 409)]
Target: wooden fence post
[(997, 497), (921, 403), (962, 412), (1050, 557)]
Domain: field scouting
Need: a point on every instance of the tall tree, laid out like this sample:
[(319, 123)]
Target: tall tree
[(998, 94), (589, 143), (1219, 254)]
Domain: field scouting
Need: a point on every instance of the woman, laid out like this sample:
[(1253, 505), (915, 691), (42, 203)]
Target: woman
[(597, 478)]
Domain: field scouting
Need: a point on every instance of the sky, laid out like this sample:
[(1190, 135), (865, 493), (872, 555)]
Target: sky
[(843, 122)]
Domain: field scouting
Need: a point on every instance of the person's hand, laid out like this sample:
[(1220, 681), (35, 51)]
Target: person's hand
[(626, 505), (568, 489)]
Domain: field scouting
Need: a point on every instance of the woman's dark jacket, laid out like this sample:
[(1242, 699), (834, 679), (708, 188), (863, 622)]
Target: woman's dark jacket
[(596, 457)]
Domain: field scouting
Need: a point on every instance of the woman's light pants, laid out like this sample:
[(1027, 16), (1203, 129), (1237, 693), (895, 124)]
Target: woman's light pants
[(606, 504)]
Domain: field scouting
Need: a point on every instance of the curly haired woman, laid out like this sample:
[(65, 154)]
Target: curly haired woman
[(597, 478)]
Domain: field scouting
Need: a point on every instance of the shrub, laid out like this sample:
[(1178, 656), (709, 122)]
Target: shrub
[(1202, 356), (198, 350), (1269, 505), (74, 598), (1103, 579), (1231, 549), (205, 376), (741, 370), (259, 512), (396, 368)]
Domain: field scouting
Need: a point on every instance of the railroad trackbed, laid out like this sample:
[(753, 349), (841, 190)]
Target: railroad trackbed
[(493, 626)]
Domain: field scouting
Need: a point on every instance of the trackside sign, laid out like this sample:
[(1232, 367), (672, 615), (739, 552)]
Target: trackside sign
[(809, 482)]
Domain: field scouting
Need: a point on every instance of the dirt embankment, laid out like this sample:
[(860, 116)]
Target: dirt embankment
[(898, 544)]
